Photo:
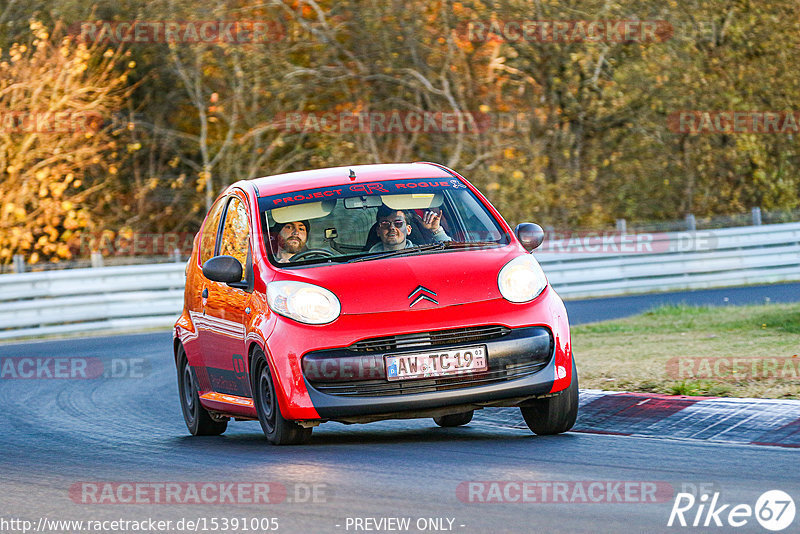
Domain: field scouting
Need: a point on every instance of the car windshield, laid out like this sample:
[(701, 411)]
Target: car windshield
[(365, 222)]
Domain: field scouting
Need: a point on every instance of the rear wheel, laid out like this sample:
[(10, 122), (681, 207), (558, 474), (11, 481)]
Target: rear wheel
[(455, 419), (279, 431), (198, 420), (554, 415)]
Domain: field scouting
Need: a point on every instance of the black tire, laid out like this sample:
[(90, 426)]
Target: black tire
[(554, 415), (279, 431), (198, 420), (455, 419)]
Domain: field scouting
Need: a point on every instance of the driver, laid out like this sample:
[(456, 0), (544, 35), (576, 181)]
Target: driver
[(292, 238)]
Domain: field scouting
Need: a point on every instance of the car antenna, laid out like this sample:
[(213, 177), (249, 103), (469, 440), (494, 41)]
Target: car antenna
[(352, 175)]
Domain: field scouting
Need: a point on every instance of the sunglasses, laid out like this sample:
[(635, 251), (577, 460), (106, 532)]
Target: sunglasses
[(385, 225)]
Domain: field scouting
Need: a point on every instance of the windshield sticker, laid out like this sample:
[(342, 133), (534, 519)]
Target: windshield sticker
[(371, 188)]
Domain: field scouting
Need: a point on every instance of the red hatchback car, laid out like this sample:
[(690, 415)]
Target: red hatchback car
[(363, 293)]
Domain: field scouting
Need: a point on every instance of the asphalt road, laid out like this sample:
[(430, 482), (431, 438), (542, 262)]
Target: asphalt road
[(59, 434)]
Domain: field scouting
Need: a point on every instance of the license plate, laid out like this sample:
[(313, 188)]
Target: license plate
[(439, 363)]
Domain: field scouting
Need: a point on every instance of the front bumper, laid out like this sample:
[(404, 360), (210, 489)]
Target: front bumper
[(291, 345), (352, 381)]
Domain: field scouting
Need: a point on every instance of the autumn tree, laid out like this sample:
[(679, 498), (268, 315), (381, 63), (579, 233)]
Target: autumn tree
[(58, 157), (587, 138)]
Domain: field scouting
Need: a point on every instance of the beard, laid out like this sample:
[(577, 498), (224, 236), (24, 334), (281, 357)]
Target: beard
[(293, 245)]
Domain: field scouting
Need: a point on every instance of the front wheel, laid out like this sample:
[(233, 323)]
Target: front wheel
[(553, 415), (279, 431), (198, 420)]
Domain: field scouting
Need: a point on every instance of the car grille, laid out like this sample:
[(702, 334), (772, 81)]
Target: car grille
[(429, 339), (378, 388)]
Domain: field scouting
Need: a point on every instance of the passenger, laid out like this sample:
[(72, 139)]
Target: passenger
[(393, 229), (292, 238)]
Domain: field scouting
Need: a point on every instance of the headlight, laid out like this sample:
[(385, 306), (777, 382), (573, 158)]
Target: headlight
[(303, 302), (521, 279)]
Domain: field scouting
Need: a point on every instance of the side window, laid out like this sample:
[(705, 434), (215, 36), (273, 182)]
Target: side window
[(236, 233), (209, 236)]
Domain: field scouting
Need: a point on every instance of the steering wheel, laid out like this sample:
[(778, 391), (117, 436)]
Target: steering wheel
[(311, 253)]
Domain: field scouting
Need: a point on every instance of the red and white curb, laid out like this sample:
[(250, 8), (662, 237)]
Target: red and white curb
[(726, 420)]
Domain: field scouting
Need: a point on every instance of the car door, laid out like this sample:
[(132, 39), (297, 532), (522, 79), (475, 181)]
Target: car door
[(197, 289), (227, 305)]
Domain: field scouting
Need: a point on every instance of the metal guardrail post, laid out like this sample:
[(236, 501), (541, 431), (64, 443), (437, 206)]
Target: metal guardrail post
[(756, 216), (97, 260), (691, 223), (19, 263)]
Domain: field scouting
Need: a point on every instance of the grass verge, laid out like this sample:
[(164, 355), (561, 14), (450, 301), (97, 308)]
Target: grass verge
[(731, 351)]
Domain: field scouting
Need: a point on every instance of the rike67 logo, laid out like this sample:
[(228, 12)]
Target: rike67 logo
[(774, 510)]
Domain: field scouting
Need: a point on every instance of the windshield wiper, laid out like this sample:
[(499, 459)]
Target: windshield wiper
[(470, 244), (410, 250), (439, 245)]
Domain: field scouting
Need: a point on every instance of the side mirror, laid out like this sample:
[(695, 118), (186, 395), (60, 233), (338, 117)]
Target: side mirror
[(530, 235), (225, 269)]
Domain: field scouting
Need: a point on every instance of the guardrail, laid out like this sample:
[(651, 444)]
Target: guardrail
[(142, 296), (673, 261), (81, 300)]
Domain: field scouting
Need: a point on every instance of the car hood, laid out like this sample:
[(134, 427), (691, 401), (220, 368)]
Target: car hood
[(393, 284)]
